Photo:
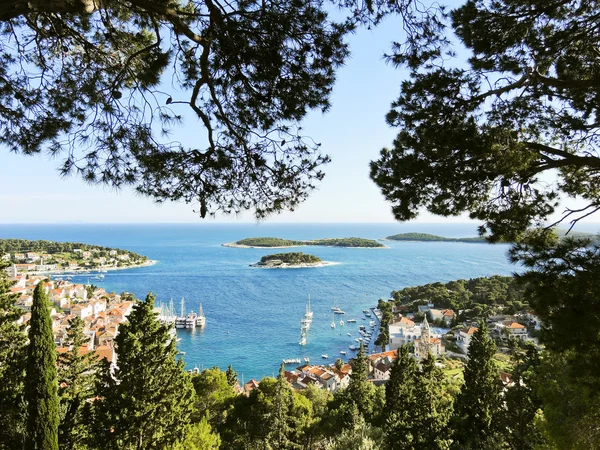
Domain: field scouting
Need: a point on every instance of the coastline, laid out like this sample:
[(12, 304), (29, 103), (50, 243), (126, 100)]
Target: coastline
[(150, 262), (295, 266)]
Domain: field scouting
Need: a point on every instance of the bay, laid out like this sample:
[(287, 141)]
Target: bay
[(253, 315)]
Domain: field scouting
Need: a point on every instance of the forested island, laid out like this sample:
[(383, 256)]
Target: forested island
[(290, 260), (48, 256), (272, 242), (426, 237), (432, 237)]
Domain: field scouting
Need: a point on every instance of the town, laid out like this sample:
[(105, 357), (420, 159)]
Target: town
[(57, 257), (445, 338), (101, 312)]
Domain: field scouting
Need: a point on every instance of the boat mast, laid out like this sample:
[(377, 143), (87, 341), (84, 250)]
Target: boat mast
[(182, 307)]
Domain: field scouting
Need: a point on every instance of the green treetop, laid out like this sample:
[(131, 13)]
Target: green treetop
[(477, 407), (77, 376), (146, 401), (477, 135), (12, 368), (41, 384)]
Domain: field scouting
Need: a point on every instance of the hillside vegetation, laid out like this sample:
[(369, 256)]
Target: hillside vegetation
[(495, 294)]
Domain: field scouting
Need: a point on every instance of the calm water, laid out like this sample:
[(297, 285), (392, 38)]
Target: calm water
[(253, 315)]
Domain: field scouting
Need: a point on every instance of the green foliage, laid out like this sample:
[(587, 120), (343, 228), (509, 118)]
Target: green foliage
[(478, 405), (360, 397), (431, 237), (570, 403), (346, 242), (12, 368), (522, 406), (199, 436), (77, 376), (417, 409), (103, 110), (231, 375), (268, 242), (272, 417), (23, 245), (562, 285), (214, 395), (41, 384), (360, 436), (331, 242), (486, 294), (146, 402), (291, 258), (401, 407), (481, 126), (386, 317)]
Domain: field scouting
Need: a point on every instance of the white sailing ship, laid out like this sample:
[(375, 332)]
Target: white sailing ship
[(201, 319)]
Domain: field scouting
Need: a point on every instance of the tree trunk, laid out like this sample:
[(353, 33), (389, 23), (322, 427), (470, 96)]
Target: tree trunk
[(11, 9)]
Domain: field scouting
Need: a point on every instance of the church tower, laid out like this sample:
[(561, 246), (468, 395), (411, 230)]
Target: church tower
[(425, 332)]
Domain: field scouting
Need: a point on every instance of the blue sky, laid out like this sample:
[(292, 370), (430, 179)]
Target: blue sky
[(352, 133)]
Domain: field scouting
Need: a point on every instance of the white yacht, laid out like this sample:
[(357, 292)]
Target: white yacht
[(201, 319), (308, 315)]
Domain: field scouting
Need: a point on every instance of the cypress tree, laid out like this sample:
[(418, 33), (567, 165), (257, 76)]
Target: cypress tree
[(41, 384), (478, 405), (360, 391), (281, 429), (13, 355), (77, 375), (232, 378), (435, 408), (148, 398), (401, 407)]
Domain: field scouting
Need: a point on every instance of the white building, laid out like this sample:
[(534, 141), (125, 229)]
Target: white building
[(463, 338)]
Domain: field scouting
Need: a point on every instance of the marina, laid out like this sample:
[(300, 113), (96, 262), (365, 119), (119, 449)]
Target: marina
[(262, 309)]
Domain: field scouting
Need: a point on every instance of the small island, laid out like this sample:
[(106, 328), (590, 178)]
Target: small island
[(426, 237), (272, 242), (34, 257), (292, 260)]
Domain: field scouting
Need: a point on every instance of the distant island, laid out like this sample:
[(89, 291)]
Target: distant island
[(25, 256), (426, 237), (290, 260), (432, 237), (272, 242)]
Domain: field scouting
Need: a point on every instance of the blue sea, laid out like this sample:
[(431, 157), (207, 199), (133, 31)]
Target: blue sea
[(253, 315)]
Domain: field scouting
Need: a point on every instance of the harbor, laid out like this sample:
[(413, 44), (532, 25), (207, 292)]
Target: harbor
[(359, 331)]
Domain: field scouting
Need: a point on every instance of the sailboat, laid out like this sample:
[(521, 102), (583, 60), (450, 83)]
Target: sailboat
[(201, 319), (302, 337), (336, 308), (308, 314), (307, 319), (333, 322)]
